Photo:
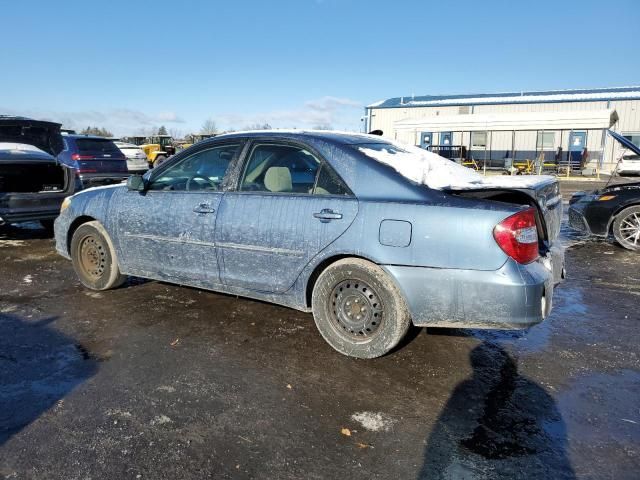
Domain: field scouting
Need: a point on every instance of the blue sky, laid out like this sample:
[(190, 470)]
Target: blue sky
[(132, 65)]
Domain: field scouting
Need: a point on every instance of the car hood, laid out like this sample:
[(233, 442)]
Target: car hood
[(621, 186), (41, 134), (626, 143)]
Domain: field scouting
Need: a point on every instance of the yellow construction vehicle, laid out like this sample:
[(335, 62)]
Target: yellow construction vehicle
[(157, 148)]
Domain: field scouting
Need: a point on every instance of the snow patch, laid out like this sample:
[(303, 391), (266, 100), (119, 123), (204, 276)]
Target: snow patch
[(372, 421), (27, 280), (20, 147), (161, 420), (434, 171)]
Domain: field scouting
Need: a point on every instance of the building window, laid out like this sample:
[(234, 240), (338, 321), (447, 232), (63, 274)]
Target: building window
[(478, 139), (546, 140), (633, 138)]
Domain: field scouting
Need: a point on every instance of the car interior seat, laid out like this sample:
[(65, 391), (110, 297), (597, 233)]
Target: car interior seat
[(278, 179)]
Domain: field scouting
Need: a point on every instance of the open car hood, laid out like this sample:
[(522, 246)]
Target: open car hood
[(626, 143), (43, 135)]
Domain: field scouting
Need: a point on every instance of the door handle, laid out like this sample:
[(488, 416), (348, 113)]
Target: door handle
[(204, 208), (326, 215)]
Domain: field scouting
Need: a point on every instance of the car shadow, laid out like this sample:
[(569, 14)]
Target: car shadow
[(497, 424), (39, 366), (24, 231)]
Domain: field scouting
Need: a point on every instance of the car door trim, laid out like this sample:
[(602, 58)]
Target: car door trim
[(159, 238), (257, 248)]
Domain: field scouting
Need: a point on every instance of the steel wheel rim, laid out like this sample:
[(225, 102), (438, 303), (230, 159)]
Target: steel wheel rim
[(630, 229), (93, 256), (356, 309)]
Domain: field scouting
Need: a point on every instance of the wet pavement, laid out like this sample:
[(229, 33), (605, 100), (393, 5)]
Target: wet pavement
[(160, 381)]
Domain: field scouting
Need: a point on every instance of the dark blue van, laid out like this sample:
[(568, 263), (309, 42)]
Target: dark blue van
[(96, 160)]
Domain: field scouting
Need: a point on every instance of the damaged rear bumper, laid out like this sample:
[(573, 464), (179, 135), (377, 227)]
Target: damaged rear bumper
[(513, 297)]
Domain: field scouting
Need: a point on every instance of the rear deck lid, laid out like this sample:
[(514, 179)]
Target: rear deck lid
[(43, 135)]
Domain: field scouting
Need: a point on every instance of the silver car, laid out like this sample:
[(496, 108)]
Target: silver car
[(136, 159), (369, 235)]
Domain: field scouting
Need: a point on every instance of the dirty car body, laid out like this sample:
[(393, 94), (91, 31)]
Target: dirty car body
[(33, 184), (279, 209)]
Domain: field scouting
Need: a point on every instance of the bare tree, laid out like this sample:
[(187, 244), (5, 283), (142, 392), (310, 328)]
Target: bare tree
[(209, 127), (176, 133), (323, 126), (258, 126)]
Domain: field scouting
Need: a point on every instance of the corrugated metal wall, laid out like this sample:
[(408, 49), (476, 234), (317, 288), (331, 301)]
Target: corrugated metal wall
[(628, 113)]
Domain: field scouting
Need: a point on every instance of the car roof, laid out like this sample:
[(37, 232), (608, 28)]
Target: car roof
[(331, 136), (92, 137)]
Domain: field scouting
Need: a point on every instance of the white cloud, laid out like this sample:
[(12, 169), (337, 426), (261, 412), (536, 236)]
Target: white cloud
[(333, 111), (120, 121)]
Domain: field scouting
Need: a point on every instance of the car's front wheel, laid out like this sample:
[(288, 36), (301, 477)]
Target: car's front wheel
[(626, 228), (358, 309), (94, 258)]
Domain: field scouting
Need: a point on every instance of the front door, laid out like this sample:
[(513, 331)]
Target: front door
[(168, 230), (577, 143), (426, 139), (446, 139), (289, 206)]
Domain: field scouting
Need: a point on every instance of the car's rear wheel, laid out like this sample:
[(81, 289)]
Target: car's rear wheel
[(94, 258), (358, 309), (626, 228)]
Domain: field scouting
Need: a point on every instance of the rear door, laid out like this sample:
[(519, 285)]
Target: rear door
[(288, 207), (168, 231)]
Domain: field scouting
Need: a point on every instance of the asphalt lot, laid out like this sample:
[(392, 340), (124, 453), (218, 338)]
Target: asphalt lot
[(160, 381)]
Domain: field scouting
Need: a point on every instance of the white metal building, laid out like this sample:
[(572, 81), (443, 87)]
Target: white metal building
[(564, 126)]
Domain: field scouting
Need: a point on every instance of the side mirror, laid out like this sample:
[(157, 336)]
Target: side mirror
[(136, 182)]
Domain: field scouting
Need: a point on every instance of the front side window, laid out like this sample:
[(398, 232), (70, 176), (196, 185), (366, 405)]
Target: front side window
[(478, 139), (546, 140), (202, 171)]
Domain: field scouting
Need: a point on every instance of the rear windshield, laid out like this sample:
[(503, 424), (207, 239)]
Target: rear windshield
[(86, 145)]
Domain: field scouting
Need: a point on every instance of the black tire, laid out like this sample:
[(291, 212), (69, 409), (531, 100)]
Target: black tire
[(626, 228), (358, 309), (94, 258), (160, 159)]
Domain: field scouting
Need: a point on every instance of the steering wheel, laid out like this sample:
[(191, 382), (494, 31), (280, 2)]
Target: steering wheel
[(197, 176)]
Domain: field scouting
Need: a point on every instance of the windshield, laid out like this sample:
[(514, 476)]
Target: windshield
[(92, 145)]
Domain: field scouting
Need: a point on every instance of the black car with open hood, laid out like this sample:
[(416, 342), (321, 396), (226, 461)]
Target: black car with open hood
[(32, 182), (613, 209)]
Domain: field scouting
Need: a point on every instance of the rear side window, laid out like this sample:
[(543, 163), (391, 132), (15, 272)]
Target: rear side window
[(93, 145), (280, 168), (289, 169), (329, 184)]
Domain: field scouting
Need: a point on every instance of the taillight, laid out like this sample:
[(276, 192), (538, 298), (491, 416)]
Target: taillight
[(517, 236), (75, 156)]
